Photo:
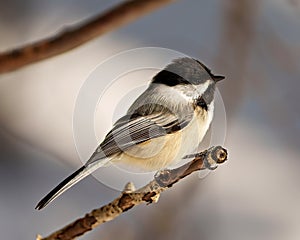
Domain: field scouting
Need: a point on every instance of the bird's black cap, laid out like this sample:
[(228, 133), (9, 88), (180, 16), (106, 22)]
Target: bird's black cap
[(185, 71)]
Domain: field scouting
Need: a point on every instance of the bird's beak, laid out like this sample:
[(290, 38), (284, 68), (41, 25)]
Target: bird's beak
[(218, 78)]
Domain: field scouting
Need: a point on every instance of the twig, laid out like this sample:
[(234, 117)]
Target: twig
[(147, 194), (74, 36)]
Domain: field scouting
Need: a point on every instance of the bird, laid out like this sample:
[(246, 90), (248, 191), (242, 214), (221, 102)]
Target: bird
[(164, 124)]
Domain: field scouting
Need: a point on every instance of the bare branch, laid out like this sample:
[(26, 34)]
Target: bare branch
[(74, 36), (147, 194)]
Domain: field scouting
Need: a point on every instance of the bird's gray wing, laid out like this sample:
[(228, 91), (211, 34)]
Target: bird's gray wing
[(139, 127)]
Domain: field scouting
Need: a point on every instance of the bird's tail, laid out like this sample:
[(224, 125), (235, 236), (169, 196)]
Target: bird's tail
[(67, 183)]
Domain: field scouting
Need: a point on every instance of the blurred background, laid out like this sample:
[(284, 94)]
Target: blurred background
[(255, 195)]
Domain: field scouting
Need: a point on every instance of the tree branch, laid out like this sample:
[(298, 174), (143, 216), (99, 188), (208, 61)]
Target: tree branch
[(148, 194), (74, 36)]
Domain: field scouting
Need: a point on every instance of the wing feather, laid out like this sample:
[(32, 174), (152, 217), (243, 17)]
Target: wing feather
[(139, 127)]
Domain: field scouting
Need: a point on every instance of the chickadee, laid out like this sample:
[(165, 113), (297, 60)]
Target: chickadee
[(164, 124)]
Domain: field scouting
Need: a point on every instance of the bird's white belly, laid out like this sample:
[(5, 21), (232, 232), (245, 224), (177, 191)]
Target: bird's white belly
[(160, 152)]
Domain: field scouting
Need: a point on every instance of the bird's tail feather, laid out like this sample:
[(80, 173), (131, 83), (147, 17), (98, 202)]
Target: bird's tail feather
[(67, 183)]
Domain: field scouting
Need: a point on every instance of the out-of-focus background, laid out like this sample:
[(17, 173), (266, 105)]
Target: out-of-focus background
[(255, 195)]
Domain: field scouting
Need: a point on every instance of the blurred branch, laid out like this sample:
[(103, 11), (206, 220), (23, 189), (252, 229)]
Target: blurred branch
[(236, 41), (294, 3), (284, 55), (74, 36), (148, 194)]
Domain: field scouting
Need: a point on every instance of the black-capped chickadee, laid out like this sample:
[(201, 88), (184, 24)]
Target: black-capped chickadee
[(165, 123)]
